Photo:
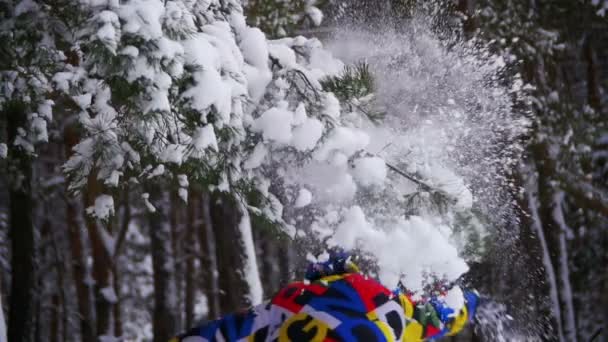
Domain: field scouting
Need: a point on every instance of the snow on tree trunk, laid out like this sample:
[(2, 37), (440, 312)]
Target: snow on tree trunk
[(564, 269), (549, 270), (208, 258), (554, 230), (237, 266), (102, 262), (165, 292), (266, 247), (250, 269)]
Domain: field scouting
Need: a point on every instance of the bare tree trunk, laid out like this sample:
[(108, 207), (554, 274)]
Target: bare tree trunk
[(23, 295), (267, 254), (2, 320), (54, 330), (102, 262), (117, 305), (562, 262), (553, 232), (550, 275), (236, 276), (124, 227), (178, 254), (594, 96), (284, 259), (86, 305), (165, 296), (120, 240), (190, 288), (59, 298), (208, 258)]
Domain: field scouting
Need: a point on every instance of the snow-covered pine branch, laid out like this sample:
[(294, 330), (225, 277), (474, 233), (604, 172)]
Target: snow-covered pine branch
[(187, 92)]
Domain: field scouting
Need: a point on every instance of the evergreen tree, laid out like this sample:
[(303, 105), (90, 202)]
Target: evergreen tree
[(554, 46)]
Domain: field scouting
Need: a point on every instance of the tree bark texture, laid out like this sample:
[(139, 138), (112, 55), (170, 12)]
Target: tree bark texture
[(225, 218), (80, 272), (102, 261), (208, 257), (165, 296), (23, 294), (554, 236), (190, 276)]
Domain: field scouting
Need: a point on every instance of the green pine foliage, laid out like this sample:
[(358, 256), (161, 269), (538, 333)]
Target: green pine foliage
[(280, 18), (356, 81), (355, 88)]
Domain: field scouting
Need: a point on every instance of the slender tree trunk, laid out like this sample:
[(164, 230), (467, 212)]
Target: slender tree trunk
[(237, 264), (266, 247), (525, 253), (118, 246), (165, 295), (117, 306), (250, 271), (2, 320), (208, 258), (38, 329), (81, 275), (594, 95), (178, 254), (550, 275), (565, 286), (23, 295), (80, 271), (124, 226), (285, 257), (225, 220), (59, 297), (102, 262), (554, 235), (190, 288), (55, 314)]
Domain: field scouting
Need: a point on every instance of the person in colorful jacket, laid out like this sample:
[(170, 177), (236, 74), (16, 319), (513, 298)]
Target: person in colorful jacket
[(338, 303)]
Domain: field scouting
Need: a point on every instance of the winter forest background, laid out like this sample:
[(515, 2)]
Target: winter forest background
[(164, 162)]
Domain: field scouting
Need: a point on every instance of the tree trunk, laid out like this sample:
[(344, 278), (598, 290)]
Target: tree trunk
[(562, 262), (285, 256), (178, 254), (236, 276), (80, 271), (554, 235), (165, 296), (594, 95), (23, 295), (120, 241), (55, 314), (208, 258), (550, 275), (190, 288), (2, 320), (117, 306), (102, 262), (59, 297)]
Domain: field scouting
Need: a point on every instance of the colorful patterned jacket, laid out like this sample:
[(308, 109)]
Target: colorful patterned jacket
[(340, 307)]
